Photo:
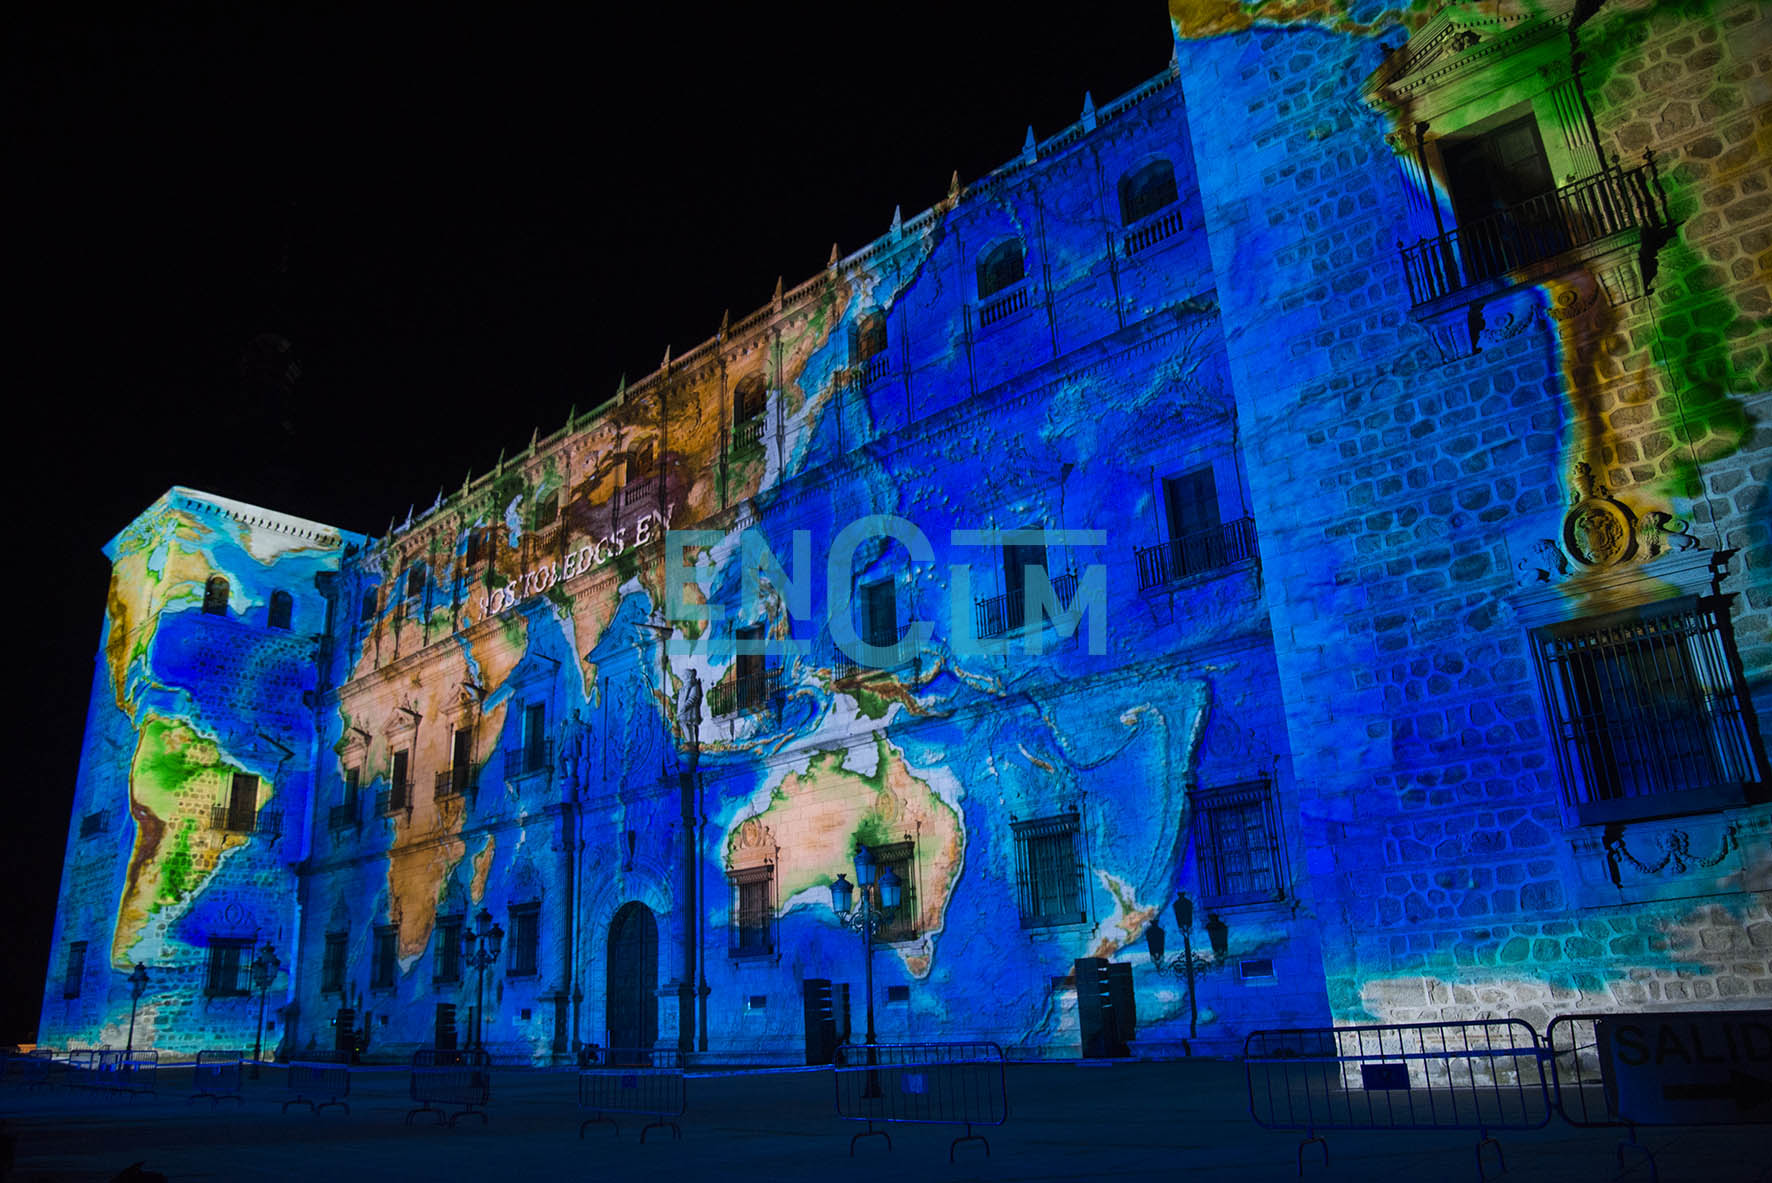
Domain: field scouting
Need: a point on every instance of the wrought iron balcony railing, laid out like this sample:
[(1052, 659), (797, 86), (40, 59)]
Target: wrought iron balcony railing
[(1165, 223), (637, 491), (1585, 211), (875, 368), (346, 816), (1195, 553), (903, 650), (452, 784), (395, 799), (529, 759), (1008, 612), (742, 695), (266, 822)]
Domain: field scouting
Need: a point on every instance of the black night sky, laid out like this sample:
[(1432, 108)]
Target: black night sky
[(466, 220)]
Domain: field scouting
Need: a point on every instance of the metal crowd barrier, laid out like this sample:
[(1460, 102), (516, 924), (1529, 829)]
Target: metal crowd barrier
[(1483, 1075), (31, 1068), (1661, 1068), (109, 1071), (937, 1083), (217, 1076), (462, 1078), (317, 1075), (635, 1082)]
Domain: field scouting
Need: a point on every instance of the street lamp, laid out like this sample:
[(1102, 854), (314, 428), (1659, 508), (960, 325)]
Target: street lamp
[(1189, 963), (264, 972), (865, 918), (480, 948), (138, 981)]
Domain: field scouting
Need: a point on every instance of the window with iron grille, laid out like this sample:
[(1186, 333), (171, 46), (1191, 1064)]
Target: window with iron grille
[(753, 911), (1146, 189), (1048, 873), (525, 941), (446, 961), (230, 960), (332, 964), (74, 970), (901, 923), (879, 612), (1647, 711), (215, 596), (1237, 844), (385, 956)]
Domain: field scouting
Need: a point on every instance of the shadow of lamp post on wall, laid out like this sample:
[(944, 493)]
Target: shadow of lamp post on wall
[(1188, 963), (138, 981), (863, 919), (264, 972), (480, 947)]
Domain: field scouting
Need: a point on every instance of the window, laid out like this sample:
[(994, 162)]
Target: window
[(215, 596), (535, 737), (753, 911), (1000, 614), (1646, 708), (999, 267), (1190, 502), (230, 967), (446, 958), (367, 611), (1048, 876), (398, 794), (749, 401), (525, 940), (870, 335), (415, 581), (74, 969), (386, 953), (1237, 844), (1145, 190), (240, 814), (901, 923), (475, 548), (1503, 197), (879, 612), (282, 606), (461, 764), (332, 964), (750, 671), (547, 509)]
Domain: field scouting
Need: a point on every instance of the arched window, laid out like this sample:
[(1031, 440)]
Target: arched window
[(367, 612), (415, 581), (1146, 189), (473, 551), (748, 399), (282, 605), (999, 267), (870, 335), (215, 596)]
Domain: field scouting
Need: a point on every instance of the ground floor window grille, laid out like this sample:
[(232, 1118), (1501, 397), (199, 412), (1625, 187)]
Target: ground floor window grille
[(525, 940), (1048, 873), (901, 923), (753, 911), (1646, 711), (381, 968), (230, 959), (1237, 844), (332, 967)]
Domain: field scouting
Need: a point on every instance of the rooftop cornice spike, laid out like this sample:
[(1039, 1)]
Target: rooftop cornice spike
[(835, 255), (1029, 146), (534, 435), (725, 323), (954, 186), (571, 415), (897, 220), (621, 388), (500, 467), (776, 299), (666, 363)]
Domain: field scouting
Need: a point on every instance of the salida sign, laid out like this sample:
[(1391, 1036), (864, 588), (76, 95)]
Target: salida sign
[(1688, 1069)]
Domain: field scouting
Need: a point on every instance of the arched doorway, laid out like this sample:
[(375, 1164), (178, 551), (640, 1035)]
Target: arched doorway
[(631, 993)]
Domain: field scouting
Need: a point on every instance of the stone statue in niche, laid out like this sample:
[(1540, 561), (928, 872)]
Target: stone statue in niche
[(689, 707), (575, 754)]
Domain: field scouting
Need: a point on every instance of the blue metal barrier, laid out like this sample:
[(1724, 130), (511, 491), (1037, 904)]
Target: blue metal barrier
[(633, 1082), (448, 1077), (928, 1083), (320, 1075), (1483, 1075), (217, 1076)]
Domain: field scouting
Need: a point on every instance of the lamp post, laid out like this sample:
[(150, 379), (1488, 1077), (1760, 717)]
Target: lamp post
[(1189, 964), (480, 948), (865, 918), (138, 981), (264, 972)]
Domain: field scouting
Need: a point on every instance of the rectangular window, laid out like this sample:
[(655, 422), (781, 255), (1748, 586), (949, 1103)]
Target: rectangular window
[(461, 760), (1237, 844), (753, 911), (1196, 543), (385, 958), (525, 940), (1646, 707), (74, 970), (242, 803), (1048, 874), (400, 782), (332, 966), (901, 923), (230, 965), (879, 612), (750, 670), (446, 958)]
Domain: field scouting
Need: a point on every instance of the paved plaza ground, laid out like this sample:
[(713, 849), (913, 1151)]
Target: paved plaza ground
[(1180, 1120)]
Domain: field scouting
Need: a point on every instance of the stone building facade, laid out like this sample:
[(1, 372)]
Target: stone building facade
[(1346, 519)]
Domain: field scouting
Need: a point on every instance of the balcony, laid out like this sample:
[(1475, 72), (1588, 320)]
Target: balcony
[(1005, 613), (344, 817), (266, 823), (1147, 232), (743, 695), (1195, 553), (529, 760), (1581, 214), (453, 784), (395, 799), (747, 433), (875, 368), (904, 649), (638, 490), (1004, 304)]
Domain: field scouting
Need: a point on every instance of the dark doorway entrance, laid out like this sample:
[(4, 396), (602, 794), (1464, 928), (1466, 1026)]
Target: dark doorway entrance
[(632, 987)]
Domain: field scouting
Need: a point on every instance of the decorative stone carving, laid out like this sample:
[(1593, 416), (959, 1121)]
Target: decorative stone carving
[(1545, 564), (1598, 530), (752, 844), (1676, 852), (1658, 532)]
